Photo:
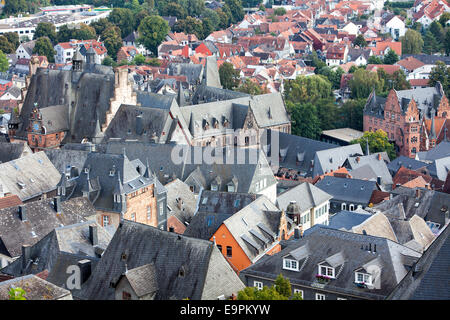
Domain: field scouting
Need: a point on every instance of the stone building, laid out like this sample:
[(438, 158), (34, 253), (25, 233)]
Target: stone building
[(118, 188), (63, 106), (402, 116)]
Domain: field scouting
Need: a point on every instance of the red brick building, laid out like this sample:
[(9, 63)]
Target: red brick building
[(403, 115)]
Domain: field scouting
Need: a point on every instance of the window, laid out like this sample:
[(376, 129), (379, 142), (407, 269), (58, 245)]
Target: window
[(320, 296), (338, 298), (230, 188), (105, 220), (299, 291), (126, 296), (161, 208), (229, 251), (258, 284), (326, 271), (344, 206), (361, 277), (219, 247), (290, 264), (214, 187), (133, 216), (149, 212), (352, 207)]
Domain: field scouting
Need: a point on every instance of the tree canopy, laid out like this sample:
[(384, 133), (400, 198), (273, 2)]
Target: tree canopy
[(152, 31), (378, 142), (229, 77)]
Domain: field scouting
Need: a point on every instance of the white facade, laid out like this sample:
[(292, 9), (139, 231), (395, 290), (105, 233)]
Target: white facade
[(396, 27)]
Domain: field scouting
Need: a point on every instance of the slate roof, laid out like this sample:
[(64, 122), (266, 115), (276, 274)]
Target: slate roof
[(306, 196), (61, 248), (293, 149), (41, 218), (12, 151), (346, 220), (441, 150), (406, 162), (185, 267), (178, 191), (94, 87), (142, 279), (140, 123), (247, 172), (214, 207), (428, 279), (35, 288), (102, 175), (377, 162), (323, 243), (428, 204), (439, 168), (348, 190), (29, 176)]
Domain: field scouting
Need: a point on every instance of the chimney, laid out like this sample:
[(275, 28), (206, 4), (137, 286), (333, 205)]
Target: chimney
[(379, 180), (139, 125), (379, 156), (179, 203), (93, 235), (297, 233), (417, 193), (85, 270), (358, 159), (57, 204), (26, 255), (23, 213)]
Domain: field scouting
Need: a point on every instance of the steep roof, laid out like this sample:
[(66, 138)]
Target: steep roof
[(29, 176), (41, 218), (35, 288), (182, 264), (348, 190), (305, 195), (352, 250)]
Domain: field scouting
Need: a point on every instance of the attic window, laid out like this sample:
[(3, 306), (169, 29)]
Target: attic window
[(289, 264), (124, 256), (21, 185), (364, 278), (326, 271), (181, 272)]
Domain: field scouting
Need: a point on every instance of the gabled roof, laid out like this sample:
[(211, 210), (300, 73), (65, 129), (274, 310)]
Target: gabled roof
[(193, 265), (41, 218), (348, 190), (35, 288), (306, 196), (29, 176), (352, 249)]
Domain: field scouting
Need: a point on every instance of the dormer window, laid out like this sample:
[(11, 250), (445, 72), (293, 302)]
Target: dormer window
[(290, 264), (326, 271), (214, 187), (363, 278)]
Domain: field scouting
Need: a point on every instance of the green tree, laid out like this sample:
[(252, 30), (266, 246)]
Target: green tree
[(225, 17), (190, 25), (437, 30), (440, 73), (431, 45), (124, 19), (280, 11), (213, 16), (112, 40), (152, 31), (139, 60), (251, 3), (4, 64), (333, 75), (363, 82), (351, 114), (447, 42), (374, 60), (84, 32), (5, 45), (44, 47), (307, 89), (283, 286), (305, 121), (412, 42), (101, 25), (195, 7), (252, 293), (390, 58), (378, 142), (14, 6), (13, 39), (176, 10), (229, 77), (360, 41), (236, 9), (108, 61), (445, 16), (250, 87), (46, 29)]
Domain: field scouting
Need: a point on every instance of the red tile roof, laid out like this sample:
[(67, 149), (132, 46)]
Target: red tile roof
[(10, 201)]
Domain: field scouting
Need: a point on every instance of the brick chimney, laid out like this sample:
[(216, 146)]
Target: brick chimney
[(93, 235), (23, 213)]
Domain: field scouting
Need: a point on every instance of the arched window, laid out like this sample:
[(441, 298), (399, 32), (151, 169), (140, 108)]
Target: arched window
[(344, 206), (352, 207)]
